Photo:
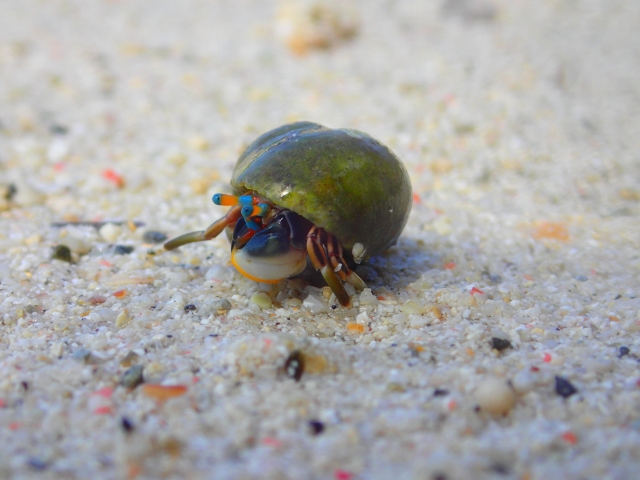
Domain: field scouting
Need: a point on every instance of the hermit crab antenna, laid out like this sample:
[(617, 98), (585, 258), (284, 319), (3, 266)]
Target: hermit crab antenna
[(233, 200)]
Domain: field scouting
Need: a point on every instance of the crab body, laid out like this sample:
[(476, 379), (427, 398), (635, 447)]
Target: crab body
[(307, 194)]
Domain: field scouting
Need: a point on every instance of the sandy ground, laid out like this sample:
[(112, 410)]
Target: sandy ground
[(498, 339)]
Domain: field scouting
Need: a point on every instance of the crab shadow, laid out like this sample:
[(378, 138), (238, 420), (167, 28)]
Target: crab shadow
[(401, 265)]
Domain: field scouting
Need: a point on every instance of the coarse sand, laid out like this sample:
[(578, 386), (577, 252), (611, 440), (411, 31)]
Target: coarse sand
[(498, 339)]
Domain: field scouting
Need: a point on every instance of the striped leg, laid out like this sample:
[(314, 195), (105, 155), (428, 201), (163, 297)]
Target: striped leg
[(326, 255)]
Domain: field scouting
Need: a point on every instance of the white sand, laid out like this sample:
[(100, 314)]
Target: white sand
[(519, 123)]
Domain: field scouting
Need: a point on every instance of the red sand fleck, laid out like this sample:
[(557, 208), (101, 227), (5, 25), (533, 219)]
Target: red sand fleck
[(58, 167), (271, 442), (535, 369), (2, 404), (14, 426), (119, 293), (570, 438), (547, 358), (113, 177), (476, 290), (342, 475), (97, 300), (103, 411), (163, 392), (105, 392), (416, 198), (449, 265), (452, 405), (551, 230), (527, 276), (104, 263)]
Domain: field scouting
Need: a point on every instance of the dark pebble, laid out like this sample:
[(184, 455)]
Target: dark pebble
[(439, 476), (564, 387), (294, 366), (151, 236), (11, 191), (58, 129), (25, 385), (499, 468), (132, 377), (500, 344), (440, 392), (316, 427), (127, 425), (123, 249), (62, 252), (624, 351), (190, 308), (37, 463)]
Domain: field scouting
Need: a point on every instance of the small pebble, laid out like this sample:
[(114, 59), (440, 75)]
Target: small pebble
[(564, 388), (129, 359), (294, 366), (494, 395), (223, 305), (132, 377), (127, 425), (56, 129), (62, 252), (316, 427), (151, 236), (123, 319), (123, 249), (624, 351), (110, 232), (189, 308), (413, 307), (500, 344), (262, 300), (37, 463), (440, 392), (77, 246), (82, 355)]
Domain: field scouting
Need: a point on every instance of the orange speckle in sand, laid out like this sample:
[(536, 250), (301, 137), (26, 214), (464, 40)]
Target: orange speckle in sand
[(547, 358), (134, 471), (551, 230), (476, 290), (105, 263), (450, 265), (570, 438), (163, 392), (527, 277), (613, 318), (470, 352), (452, 405), (113, 177), (120, 293), (416, 198), (355, 327)]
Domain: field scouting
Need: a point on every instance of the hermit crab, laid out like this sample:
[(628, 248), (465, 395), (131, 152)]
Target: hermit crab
[(307, 196)]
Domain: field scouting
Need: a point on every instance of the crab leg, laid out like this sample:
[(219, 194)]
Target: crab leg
[(317, 241), (339, 264), (210, 233)]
